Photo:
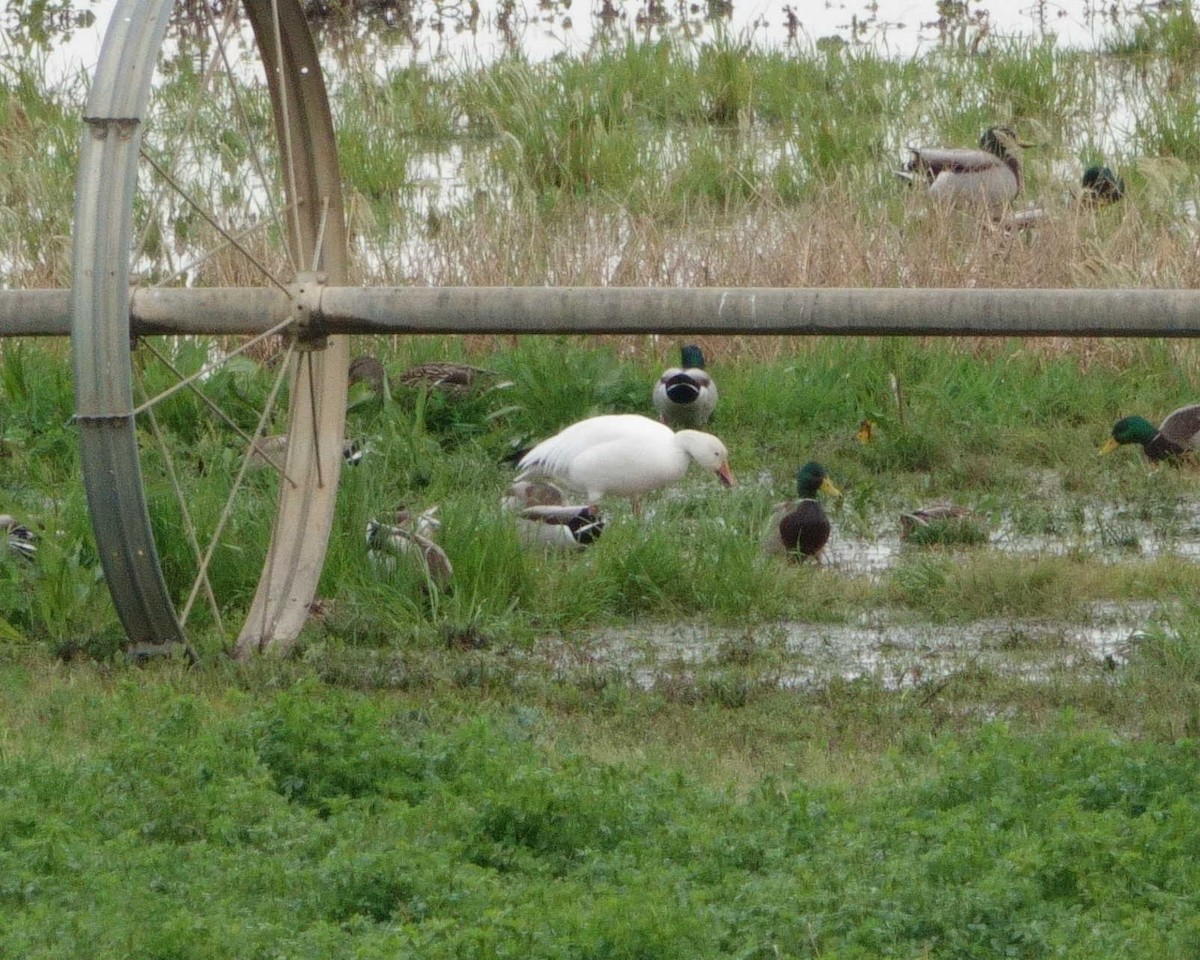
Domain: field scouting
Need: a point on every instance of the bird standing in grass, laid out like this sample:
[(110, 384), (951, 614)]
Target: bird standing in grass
[(368, 370), (990, 176), (799, 528), (445, 375), (624, 455), (685, 396), (1178, 434)]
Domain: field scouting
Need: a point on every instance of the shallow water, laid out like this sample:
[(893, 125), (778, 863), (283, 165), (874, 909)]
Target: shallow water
[(888, 646), (1103, 532), (444, 33), (450, 39), (880, 647)]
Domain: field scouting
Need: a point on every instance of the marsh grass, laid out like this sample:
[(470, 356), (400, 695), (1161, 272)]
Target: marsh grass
[(988, 429)]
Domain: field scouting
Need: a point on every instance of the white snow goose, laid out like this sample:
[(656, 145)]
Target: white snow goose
[(625, 455)]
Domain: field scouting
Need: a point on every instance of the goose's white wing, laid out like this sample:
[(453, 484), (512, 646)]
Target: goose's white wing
[(554, 456)]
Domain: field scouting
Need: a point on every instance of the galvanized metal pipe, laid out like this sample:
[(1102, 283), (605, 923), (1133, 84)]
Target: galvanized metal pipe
[(35, 313), (208, 310), (733, 310), (827, 311)]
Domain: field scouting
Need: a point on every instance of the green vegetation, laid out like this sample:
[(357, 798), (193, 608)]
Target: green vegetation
[(1011, 433), (206, 814), (649, 749)]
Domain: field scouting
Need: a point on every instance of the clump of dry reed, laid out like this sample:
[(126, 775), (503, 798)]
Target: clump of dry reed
[(835, 241)]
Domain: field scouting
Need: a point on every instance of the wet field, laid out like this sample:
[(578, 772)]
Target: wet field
[(879, 647), (894, 648)]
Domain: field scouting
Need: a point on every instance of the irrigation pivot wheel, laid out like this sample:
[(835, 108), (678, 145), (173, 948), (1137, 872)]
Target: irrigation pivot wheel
[(236, 185)]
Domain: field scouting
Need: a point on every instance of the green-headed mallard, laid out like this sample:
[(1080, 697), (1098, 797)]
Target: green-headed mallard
[(21, 540), (625, 455), (410, 537), (545, 516), (1101, 186), (1179, 433), (799, 528), (685, 396), (990, 176)]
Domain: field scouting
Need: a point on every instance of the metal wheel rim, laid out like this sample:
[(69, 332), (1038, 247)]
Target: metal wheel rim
[(101, 345)]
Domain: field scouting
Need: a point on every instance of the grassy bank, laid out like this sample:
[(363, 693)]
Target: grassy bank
[(265, 813)]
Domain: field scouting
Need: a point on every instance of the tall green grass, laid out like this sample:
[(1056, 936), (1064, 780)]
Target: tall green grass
[(1009, 431)]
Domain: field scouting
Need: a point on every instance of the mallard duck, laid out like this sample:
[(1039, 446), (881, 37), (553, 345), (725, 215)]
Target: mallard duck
[(450, 377), (571, 525), (272, 451), (1101, 186), (370, 372), (866, 431), (21, 540), (626, 455), (685, 395), (943, 523), (1178, 434), (410, 536), (990, 176), (799, 528), (930, 513), (545, 517)]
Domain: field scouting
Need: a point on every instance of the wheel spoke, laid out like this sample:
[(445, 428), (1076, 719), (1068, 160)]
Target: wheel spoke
[(202, 258), (227, 510), (255, 146), (210, 368), (230, 239), (192, 115), (285, 132), (185, 512), (215, 408)]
